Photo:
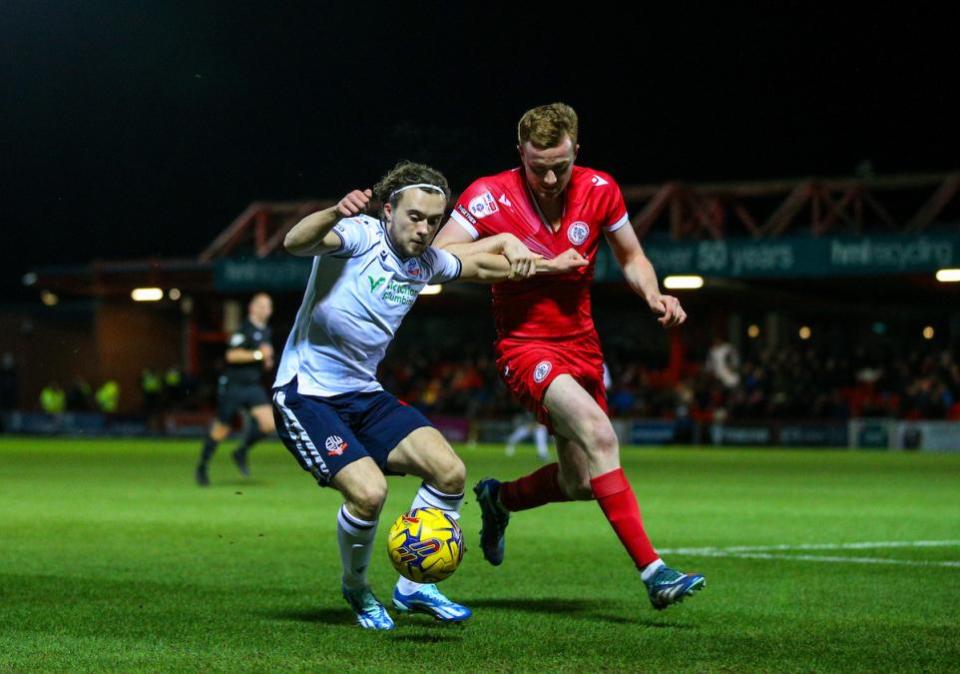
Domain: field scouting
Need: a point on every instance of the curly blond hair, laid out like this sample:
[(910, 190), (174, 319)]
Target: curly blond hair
[(544, 126)]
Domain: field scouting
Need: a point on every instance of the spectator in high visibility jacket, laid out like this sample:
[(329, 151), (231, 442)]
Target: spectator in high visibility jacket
[(108, 397), (53, 399)]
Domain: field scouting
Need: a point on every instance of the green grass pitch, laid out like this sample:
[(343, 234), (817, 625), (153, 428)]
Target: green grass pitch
[(112, 559)]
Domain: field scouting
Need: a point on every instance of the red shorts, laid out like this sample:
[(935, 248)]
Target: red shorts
[(528, 368)]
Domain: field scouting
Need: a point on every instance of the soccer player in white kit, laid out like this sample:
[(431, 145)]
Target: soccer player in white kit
[(332, 413), (526, 425)]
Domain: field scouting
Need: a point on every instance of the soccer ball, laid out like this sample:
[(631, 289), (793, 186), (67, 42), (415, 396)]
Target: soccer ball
[(425, 545)]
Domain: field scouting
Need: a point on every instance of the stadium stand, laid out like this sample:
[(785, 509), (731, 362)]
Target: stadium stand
[(832, 257)]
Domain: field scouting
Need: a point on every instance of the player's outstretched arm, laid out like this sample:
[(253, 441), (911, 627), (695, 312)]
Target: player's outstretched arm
[(456, 240), (313, 235), (485, 267), (488, 268), (642, 278)]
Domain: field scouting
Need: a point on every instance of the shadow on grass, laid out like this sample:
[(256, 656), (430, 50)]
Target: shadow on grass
[(642, 621), (542, 605), (327, 616), (428, 630), (439, 634), (587, 608)]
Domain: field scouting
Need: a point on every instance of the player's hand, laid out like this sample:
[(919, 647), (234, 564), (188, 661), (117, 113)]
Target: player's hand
[(668, 309), (569, 260), (354, 203), (523, 263), (521, 275)]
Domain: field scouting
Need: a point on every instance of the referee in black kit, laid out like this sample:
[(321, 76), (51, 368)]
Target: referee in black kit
[(249, 355)]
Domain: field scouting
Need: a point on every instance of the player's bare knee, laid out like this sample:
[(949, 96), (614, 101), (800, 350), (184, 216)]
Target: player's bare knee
[(601, 439), (451, 477), (366, 500)]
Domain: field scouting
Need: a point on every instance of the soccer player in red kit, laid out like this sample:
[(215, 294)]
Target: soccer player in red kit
[(548, 352)]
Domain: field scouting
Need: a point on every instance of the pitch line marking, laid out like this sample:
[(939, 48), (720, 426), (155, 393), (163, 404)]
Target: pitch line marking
[(817, 546), (825, 558), (768, 552)]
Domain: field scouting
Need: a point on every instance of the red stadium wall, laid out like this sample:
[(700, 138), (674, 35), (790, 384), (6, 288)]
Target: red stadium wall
[(131, 337), (49, 344), (89, 341)]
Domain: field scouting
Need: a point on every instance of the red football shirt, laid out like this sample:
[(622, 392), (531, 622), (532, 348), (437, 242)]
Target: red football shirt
[(549, 306)]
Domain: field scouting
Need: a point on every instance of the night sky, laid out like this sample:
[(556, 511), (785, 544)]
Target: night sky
[(130, 130)]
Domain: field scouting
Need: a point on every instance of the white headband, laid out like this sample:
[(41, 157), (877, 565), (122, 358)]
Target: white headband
[(423, 186)]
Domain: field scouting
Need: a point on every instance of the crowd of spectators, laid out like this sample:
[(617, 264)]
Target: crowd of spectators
[(455, 381), (794, 382), (719, 383)]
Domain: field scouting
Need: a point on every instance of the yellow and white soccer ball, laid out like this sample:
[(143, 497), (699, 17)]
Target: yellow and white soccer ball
[(425, 545)]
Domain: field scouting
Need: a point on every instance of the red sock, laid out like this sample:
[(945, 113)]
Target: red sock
[(536, 489), (619, 504)]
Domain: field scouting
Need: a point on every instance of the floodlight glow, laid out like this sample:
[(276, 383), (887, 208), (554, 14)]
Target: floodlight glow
[(683, 282), (948, 275), (29, 278), (431, 290), (146, 294), (48, 298), (753, 331), (928, 332), (174, 294), (805, 332)]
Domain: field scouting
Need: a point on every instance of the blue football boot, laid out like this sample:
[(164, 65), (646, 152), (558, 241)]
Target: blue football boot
[(668, 587), (371, 615), (428, 599), (495, 519)]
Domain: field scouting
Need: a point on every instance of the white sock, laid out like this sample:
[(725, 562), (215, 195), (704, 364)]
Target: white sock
[(355, 537), (431, 497), (651, 569), (541, 437), (407, 587)]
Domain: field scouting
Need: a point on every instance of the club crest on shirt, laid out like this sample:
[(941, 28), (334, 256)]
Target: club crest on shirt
[(578, 232), (541, 371), (335, 445), (483, 205), (412, 267)]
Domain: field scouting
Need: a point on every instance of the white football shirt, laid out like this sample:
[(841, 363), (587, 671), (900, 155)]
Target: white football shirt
[(340, 337)]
